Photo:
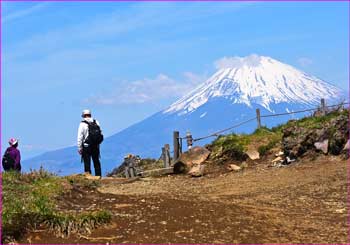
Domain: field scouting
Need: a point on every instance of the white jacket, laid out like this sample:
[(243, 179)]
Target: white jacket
[(83, 132)]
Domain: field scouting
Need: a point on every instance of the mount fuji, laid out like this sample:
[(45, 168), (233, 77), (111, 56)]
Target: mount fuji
[(230, 96)]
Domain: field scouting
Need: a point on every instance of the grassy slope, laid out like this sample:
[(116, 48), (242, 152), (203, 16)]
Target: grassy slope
[(264, 139), (29, 202)]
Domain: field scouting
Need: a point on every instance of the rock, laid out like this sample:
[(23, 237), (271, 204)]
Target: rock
[(277, 159), (196, 155), (323, 146), (188, 159), (197, 170), (253, 154), (280, 153), (297, 140), (91, 177), (337, 143), (234, 167), (290, 160)]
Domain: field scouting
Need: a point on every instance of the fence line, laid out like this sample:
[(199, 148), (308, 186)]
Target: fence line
[(224, 130), (295, 112), (270, 115)]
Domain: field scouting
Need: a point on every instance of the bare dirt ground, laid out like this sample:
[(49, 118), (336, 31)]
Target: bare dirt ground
[(305, 202)]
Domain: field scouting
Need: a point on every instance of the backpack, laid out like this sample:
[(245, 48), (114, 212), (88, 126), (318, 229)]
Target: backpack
[(8, 162), (95, 134)]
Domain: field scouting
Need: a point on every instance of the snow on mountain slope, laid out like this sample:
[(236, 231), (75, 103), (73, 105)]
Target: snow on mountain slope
[(259, 80)]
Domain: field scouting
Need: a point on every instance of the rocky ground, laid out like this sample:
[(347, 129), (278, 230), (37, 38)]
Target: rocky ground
[(304, 202)]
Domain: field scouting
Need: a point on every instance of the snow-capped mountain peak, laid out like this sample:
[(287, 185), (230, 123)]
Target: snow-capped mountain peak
[(256, 79)]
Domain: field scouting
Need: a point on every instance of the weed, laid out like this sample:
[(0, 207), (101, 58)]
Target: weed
[(81, 181), (263, 149), (62, 225), (29, 201), (232, 146)]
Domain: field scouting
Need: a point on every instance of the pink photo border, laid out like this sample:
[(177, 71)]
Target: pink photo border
[(1, 143)]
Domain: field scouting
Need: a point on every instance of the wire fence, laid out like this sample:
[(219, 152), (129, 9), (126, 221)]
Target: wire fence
[(215, 134)]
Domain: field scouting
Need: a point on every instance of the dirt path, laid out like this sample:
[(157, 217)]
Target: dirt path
[(301, 203)]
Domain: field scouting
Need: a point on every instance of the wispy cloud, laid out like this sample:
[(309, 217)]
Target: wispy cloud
[(110, 26), (304, 61), (236, 61), (24, 12), (148, 90)]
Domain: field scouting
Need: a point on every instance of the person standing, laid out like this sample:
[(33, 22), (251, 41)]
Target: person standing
[(89, 139), (12, 157)]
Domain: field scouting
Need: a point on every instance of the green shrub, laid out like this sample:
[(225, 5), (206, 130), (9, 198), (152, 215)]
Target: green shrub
[(263, 149), (262, 131), (232, 146)]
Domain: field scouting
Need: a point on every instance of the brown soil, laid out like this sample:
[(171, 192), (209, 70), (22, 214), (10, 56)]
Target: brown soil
[(305, 202)]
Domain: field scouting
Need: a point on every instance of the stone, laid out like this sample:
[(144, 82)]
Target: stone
[(91, 177), (277, 159), (322, 146), (290, 160), (196, 155), (197, 170), (253, 154), (297, 140), (234, 167), (279, 154)]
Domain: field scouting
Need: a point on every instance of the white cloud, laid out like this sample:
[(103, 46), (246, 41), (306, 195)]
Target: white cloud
[(24, 12), (148, 90), (303, 61), (236, 61)]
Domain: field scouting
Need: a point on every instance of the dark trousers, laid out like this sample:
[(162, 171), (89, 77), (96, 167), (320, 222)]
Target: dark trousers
[(94, 153)]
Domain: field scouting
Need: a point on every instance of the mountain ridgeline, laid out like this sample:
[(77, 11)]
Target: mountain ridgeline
[(230, 96)]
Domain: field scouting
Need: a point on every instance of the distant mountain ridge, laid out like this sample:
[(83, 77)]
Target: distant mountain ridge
[(228, 97)]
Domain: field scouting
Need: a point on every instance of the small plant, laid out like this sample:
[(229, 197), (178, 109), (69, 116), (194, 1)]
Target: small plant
[(230, 146), (62, 225), (262, 131), (29, 201), (263, 149), (81, 181)]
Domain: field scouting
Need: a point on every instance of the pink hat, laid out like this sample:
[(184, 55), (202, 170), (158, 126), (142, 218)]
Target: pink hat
[(13, 141)]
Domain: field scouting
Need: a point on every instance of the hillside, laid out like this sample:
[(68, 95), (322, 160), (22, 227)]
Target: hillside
[(233, 93), (300, 202)]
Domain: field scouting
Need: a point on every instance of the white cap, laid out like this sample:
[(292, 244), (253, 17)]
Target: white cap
[(85, 112), (13, 141)]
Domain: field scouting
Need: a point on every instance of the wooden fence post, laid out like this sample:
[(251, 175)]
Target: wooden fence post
[(323, 107), (166, 155), (176, 136), (258, 117), (163, 155)]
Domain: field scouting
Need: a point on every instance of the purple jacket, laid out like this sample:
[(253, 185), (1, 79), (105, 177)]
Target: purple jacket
[(16, 155)]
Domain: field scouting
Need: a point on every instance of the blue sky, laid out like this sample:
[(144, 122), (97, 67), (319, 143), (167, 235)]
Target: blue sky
[(126, 61)]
